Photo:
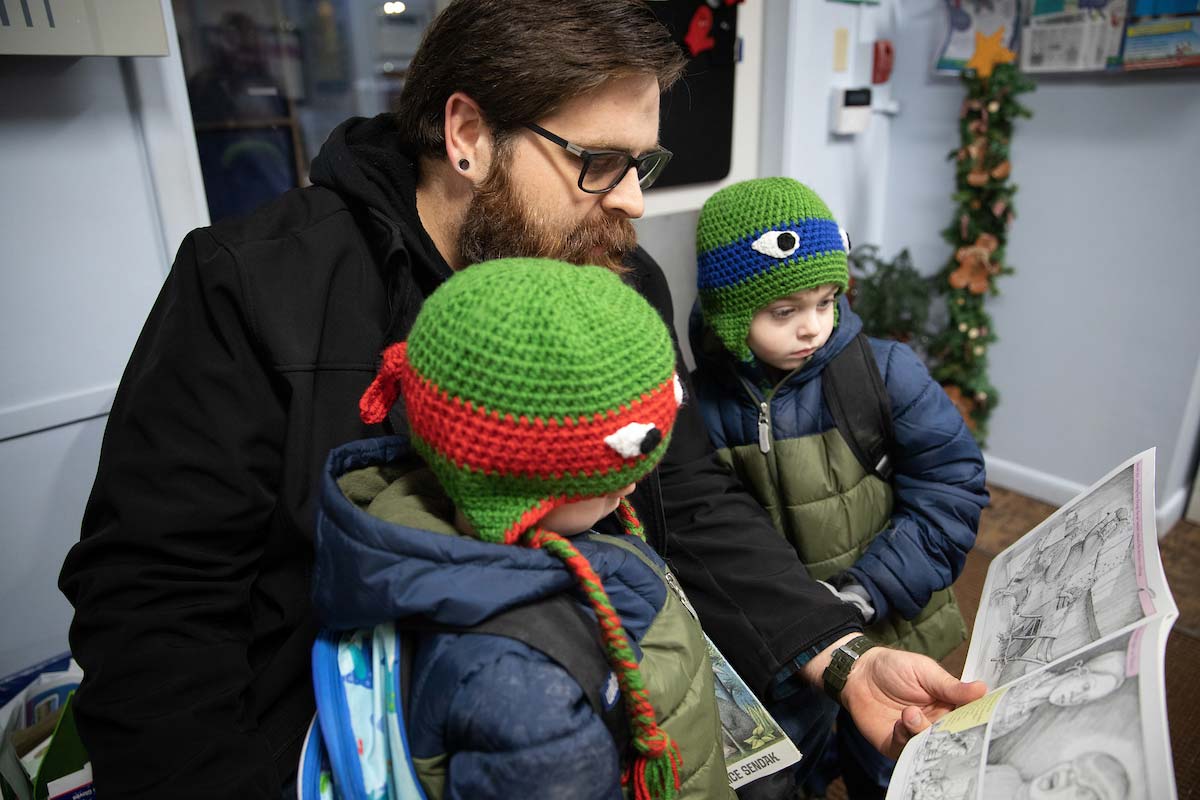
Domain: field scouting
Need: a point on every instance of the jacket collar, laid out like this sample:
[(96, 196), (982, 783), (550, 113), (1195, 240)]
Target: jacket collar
[(368, 570)]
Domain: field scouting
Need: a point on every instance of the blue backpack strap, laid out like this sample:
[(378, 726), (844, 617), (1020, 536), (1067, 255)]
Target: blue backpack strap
[(392, 652), (356, 679), (314, 778), (362, 676)]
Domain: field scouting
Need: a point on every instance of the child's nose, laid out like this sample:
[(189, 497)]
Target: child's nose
[(806, 326)]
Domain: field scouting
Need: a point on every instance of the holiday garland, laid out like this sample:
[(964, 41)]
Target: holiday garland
[(984, 211)]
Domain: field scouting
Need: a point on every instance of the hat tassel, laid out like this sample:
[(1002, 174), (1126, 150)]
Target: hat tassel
[(655, 774), (381, 395), (654, 771)]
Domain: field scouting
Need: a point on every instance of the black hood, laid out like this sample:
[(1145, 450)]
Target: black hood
[(365, 162)]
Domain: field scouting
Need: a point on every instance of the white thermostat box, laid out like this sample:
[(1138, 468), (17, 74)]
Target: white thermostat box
[(851, 111)]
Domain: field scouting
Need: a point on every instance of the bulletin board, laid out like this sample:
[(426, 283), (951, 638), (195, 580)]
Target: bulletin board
[(696, 122), (1073, 36)]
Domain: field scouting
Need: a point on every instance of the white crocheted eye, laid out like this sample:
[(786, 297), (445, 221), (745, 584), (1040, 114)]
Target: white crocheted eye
[(845, 238), (678, 391), (634, 439), (776, 244)]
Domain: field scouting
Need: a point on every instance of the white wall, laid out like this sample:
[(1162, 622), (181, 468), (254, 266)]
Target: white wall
[(1100, 326), (95, 181), (671, 240), (799, 78)]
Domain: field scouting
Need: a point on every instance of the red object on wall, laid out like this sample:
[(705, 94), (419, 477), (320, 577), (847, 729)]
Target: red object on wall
[(881, 65), (699, 34)]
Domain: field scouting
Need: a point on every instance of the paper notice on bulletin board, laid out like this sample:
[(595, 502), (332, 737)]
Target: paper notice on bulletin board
[(1072, 35), (1163, 34), (965, 18)]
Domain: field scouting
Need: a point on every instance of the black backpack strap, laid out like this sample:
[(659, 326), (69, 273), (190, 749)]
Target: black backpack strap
[(860, 406), (559, 628)]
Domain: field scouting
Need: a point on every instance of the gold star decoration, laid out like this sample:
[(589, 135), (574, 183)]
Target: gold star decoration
[(989, 51)]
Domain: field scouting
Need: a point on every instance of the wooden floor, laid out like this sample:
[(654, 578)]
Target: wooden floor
[(1010, 516)]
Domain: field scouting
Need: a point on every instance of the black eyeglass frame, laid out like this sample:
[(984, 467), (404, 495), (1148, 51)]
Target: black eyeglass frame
[(587, 156)]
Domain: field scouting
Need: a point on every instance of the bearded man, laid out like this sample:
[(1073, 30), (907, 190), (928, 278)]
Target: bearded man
[(525, 128)]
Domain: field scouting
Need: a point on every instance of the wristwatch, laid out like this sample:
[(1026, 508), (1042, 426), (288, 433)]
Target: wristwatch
[(842, 662)]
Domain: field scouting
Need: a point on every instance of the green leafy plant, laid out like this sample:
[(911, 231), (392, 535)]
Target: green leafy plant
[(891, 297)]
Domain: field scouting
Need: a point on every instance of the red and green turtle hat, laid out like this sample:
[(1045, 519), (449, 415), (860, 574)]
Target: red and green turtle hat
[(529, 384)]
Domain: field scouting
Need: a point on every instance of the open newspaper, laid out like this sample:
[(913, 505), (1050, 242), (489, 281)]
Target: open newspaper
[(1071, 633)]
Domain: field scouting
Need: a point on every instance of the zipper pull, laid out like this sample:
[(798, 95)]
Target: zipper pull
[(764, 428)]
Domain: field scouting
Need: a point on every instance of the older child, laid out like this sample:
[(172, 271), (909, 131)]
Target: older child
[(772, 273), (537, 394)]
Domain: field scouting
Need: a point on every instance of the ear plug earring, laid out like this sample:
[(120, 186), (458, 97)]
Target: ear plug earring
[(463, 164)]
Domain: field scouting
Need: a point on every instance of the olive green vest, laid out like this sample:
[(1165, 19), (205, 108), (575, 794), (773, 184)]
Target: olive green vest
[(675, 664), (830, 509)]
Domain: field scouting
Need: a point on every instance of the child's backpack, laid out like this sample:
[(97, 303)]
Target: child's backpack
[(863, 418), (356, 746)]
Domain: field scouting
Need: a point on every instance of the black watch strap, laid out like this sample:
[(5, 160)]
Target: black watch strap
[(842, 662)]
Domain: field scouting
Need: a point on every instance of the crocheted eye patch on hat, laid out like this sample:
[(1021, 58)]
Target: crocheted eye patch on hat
[(757, 241), (529, 384)]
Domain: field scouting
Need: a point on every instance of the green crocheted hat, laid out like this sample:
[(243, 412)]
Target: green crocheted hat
[(760, 240), (529, 384)]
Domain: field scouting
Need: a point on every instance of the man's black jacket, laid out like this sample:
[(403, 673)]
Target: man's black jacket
[(191, 581)]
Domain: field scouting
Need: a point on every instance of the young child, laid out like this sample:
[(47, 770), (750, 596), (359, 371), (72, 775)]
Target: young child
[(537, 393), (772, 274)]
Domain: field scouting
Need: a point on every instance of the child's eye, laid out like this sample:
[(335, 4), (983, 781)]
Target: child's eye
[(777, 244), (826, 303), (782, 313)]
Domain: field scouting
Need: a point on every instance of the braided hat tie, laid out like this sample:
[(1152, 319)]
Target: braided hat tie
[(530, 384)]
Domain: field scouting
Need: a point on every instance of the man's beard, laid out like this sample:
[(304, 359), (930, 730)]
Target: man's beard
[(497, 224)]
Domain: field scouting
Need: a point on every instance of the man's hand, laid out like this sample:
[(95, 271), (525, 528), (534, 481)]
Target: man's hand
[(893, 695)]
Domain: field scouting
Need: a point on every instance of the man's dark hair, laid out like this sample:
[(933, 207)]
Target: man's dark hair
[(523, 59)]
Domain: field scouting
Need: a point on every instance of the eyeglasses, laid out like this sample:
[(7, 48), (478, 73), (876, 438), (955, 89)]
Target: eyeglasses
[(603, 169)]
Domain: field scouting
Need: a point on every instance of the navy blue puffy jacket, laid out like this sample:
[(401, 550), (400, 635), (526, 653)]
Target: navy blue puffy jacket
[(938, 486)]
